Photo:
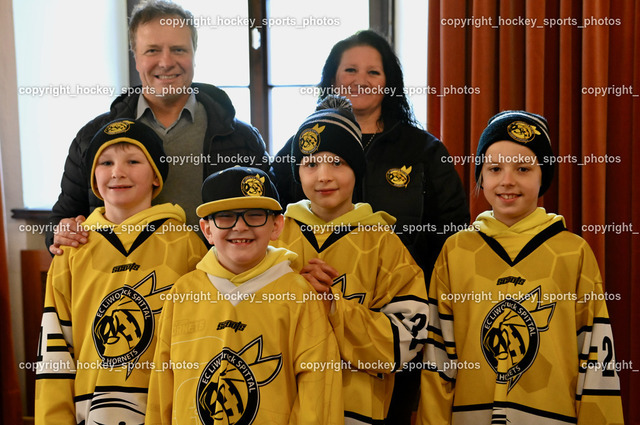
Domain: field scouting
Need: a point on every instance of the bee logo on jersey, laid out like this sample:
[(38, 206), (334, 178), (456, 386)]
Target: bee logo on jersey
[(123, 325), (309, 140), (252, 185), (118, 127), (510, 335), (520, 131), (399, 177), (229, 386)]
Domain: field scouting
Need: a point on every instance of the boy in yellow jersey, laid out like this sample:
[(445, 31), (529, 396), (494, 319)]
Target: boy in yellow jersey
[(103, 298), (519, 331), (255, 348), (374, 291)]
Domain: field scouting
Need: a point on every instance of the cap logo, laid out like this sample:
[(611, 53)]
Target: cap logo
[(399, 177), (522, 132), (118, 127), (252, 185), (309, 140)]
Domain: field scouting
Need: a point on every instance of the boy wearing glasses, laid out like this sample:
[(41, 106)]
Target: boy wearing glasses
[(242, 339)]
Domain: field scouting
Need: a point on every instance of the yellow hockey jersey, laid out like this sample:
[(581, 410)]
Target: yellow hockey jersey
[(379, 312), (99, 323), (247, 349), (518, 331)]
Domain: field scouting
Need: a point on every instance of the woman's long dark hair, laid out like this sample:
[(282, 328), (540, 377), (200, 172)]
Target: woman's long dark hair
[(394, 108)]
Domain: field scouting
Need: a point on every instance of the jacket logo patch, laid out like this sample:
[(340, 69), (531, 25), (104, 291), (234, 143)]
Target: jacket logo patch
[(252, 185), (118, 127), (309, 139), (229, 387), (520, 131), (516, 280), (510, 335), (124, 323), (399, 177)]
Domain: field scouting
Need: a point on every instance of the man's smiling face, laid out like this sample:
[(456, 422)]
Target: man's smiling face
[(164, 59)]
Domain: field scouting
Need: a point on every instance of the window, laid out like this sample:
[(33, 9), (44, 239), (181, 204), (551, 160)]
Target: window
[(68, 73), (62, 51), (298, 38), (222, 57), (298, 52)]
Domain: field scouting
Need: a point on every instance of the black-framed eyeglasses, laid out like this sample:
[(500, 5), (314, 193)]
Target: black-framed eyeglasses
[(252, 217)]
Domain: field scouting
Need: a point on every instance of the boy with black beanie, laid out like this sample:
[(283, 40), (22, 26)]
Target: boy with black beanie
[(374, 292), (103, 298)]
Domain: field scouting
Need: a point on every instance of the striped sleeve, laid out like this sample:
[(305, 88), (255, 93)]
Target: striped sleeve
[(598, 388), (387, 337), (439, 372), (56, 369)]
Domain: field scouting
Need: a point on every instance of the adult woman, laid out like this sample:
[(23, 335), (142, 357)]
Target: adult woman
[(408, 173)]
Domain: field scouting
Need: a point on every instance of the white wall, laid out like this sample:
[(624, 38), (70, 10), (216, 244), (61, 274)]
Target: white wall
[(65, 49), (57, 43)]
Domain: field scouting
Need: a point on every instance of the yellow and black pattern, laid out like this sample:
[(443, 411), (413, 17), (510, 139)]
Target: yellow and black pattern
[(380, 304), (517, 322), (251, 349), (101, 307)]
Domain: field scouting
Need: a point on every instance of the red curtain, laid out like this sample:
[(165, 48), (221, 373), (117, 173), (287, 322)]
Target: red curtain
[(11, 407), (577, 64)]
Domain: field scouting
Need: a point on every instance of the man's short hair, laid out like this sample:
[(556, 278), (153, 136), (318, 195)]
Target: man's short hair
[(148, 10)]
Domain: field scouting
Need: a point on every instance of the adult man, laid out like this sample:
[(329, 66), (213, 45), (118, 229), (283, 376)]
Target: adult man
[(196, 121)]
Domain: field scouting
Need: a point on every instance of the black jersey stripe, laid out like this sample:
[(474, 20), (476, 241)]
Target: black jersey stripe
[(396, 344), (110, 389), (362, 418), (55, 376), (408, 298), (531, 246), (333, 238), (55, 349), (516, 406), (55, 336), (114, 240)]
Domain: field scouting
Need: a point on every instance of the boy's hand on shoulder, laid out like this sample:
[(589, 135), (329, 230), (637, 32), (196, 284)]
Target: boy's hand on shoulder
[(69, 232)]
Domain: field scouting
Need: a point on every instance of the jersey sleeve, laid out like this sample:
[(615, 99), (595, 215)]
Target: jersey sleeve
[(438, 376), (160, 395), (56, 367), (382, 339), (598, 391), (318, 370)]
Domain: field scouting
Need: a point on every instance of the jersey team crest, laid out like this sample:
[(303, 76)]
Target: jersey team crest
[(124, 324), (510, 335), (229, 387), (399, 177), (309, 140), (252, 186)]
